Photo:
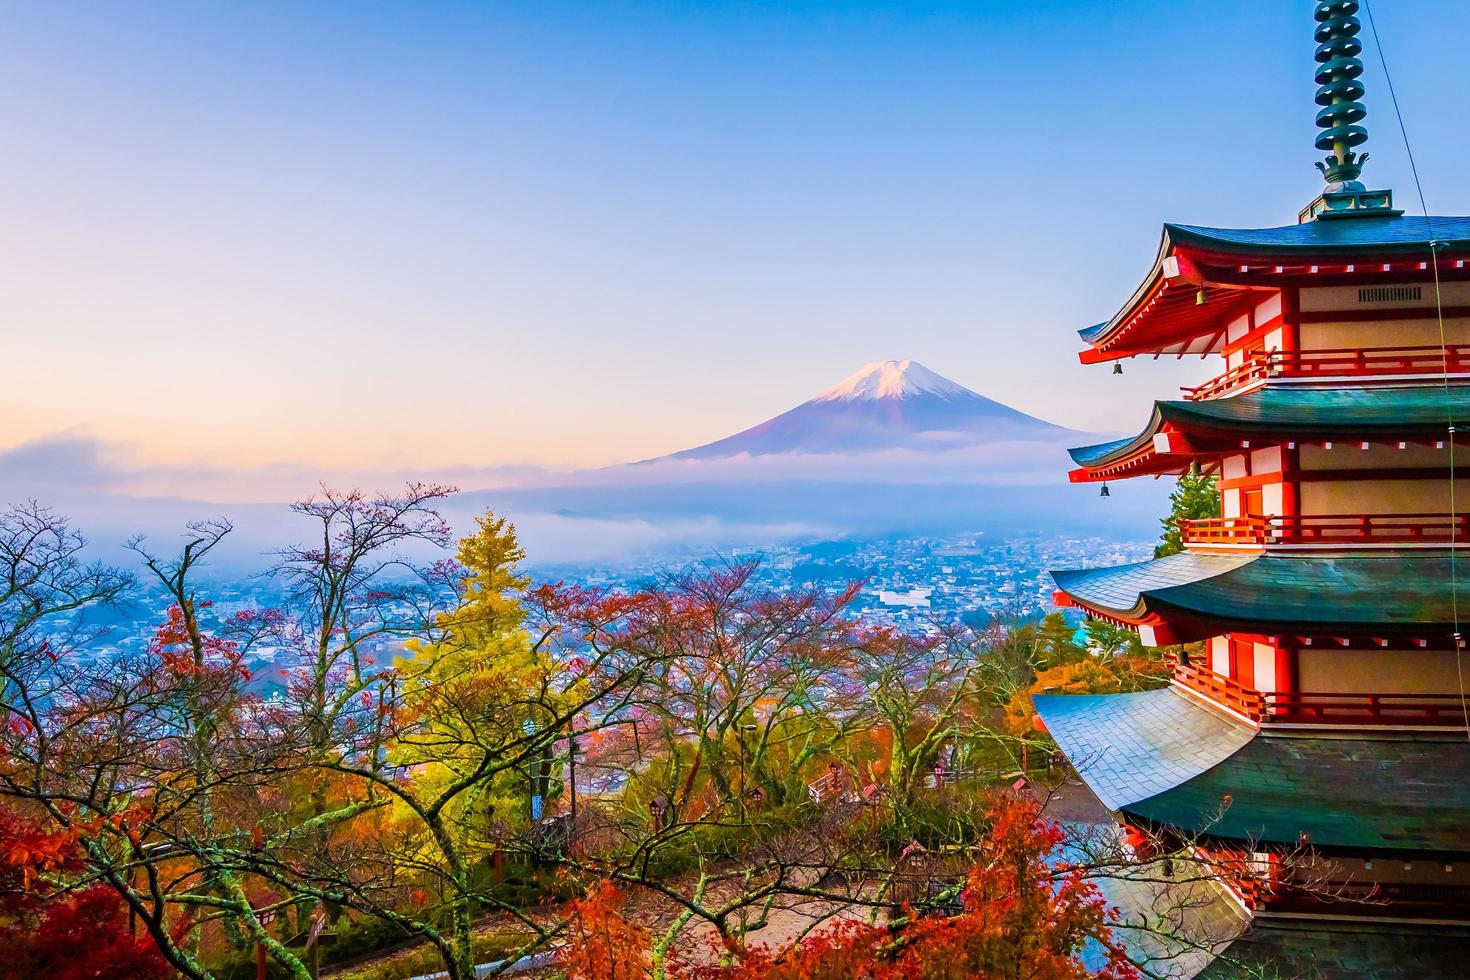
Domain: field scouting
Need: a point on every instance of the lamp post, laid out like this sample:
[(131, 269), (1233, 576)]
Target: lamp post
[(572, 776), (746, 729)]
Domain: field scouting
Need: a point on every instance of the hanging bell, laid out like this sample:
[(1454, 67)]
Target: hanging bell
[(1201, 297), (1105, 491), (1194, 469), (1117, 367)]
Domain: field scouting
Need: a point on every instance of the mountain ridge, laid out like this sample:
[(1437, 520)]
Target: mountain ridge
[(885, 405)]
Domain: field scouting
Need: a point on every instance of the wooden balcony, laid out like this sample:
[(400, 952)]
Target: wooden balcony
[(1328, 529), (1317, 708), (1333, 363), (1221, 690), (1329, 709)]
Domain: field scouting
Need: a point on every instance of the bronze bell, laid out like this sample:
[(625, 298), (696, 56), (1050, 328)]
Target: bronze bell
[(1105, 491), (1117, 367)]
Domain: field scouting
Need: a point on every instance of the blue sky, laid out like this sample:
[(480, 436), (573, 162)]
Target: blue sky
[(359, 235)]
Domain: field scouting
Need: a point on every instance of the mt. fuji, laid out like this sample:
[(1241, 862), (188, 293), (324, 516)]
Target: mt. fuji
[(884, 405)]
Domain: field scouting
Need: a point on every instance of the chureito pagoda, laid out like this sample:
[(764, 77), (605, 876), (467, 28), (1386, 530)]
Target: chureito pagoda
[(1321, 735)]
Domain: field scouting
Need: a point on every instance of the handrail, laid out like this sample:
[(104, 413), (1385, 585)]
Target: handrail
[(1335, 361), (1328, 529), (1221, 690), (1323, 707), (1337, 708)]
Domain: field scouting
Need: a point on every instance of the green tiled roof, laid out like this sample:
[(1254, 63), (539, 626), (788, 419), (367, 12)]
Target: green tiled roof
[(1353, 951), (1310, 410), (1129, 747), (1401, 593), (1355, 794), (1091, 455), (1377, 235), (1298, 411)]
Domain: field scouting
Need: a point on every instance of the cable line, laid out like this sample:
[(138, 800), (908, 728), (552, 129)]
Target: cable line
[(1434, 247)]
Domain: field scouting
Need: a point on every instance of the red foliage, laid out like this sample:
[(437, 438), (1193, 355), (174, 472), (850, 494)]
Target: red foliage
[(603, 945), (172, 643), (29, 850), (81, 937), (1024, 916)]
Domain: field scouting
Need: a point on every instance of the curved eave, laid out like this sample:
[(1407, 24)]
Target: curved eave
[(1122, 592), (1346, 796), (1130, 747), (1179, 432), (1165, 760), (1104, 454), (1197, 594), (1151, 452), (1162, 314)]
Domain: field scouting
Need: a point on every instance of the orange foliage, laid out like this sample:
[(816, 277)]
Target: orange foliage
[(1024, 916), (603, 944), (1089, 676)]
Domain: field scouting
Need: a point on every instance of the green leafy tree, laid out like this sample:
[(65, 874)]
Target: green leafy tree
[(1112, 640), (1194, 498)]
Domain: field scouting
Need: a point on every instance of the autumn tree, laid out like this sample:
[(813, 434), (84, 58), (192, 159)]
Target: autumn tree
[(919, 690), (1024, 912), (428, 754), (738, 679), (48, 929)]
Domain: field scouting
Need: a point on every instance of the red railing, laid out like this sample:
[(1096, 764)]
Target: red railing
[(1336, 362), (1314, 708), (1221, 690), (1323, 708), (1329, 529)]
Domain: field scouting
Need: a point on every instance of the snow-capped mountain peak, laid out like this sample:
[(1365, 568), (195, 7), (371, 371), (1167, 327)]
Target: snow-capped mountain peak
[(893, 379), (886, 405)]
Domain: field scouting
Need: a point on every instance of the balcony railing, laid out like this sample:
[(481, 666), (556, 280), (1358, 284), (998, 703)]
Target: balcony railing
[(1221, 690), (1315, 708), (1323, 708), (1329, 529), (1336, 362)]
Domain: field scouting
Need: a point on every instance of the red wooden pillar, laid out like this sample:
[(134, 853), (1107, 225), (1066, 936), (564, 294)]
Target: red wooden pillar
[(1288, 669), (1291, 337)]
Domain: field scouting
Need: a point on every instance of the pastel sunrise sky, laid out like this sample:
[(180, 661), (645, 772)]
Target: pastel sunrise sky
[(362, 236)]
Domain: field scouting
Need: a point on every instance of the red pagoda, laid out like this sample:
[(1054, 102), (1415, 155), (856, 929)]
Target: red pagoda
[(1321, 736)]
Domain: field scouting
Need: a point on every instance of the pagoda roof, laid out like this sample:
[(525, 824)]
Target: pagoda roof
[(1380, 950), (1130, 748), (1330, 238), (1165, 314), (1285, 411), (1404, 594), (1166, 760), (1355, 794)]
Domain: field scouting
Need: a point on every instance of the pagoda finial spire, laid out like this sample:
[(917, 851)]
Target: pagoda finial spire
[(1338, 71)]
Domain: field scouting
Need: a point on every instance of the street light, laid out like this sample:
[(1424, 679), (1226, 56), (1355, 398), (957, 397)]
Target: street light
[(746, 729)]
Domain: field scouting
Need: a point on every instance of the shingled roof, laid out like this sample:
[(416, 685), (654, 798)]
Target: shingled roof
[(1402, 594)]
